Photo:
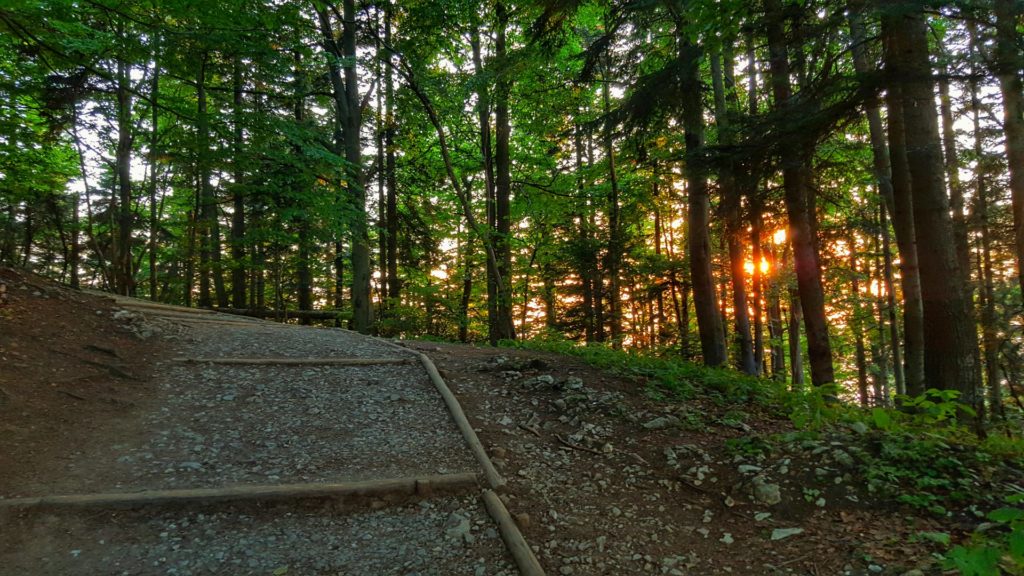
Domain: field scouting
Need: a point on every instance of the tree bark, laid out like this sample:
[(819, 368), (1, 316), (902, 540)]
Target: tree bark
[(345, 84), (125, 276), (615, 241), (721, 72), (949, 336), (501, 325), (390, 169), (795, 168), (1009, 62), (705, 300), (238, 269)]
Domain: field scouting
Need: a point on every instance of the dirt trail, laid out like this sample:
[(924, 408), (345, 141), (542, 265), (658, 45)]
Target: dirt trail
[(204, 425)]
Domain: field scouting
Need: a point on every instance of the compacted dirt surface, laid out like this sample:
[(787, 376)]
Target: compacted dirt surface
[(603, 476), (100, 399)]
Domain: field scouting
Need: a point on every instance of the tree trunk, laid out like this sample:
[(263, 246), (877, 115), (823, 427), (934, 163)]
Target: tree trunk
[(154, 95), (615, 242), (345, 86), (390, 171), (1009, 62), (989, 329), (795, 166), (125, 276), (709, 322), (857, 325), (949, 336), (207, 219), (795, 357), (238, 280), (501, 325)]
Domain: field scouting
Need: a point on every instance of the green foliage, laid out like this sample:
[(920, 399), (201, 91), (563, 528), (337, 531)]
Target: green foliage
[(994, 548), (814, 408), (679, 378)]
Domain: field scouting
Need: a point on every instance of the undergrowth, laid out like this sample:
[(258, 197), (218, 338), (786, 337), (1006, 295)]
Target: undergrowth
[(920, 456)]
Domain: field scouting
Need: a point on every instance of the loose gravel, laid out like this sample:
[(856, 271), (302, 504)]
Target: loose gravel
[(218, 425), (448, 536), (207, 425)]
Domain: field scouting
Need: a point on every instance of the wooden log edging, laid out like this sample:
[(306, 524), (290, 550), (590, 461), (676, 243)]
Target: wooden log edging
[(297, 361), (521, 552), (494, 479), (423, 485)]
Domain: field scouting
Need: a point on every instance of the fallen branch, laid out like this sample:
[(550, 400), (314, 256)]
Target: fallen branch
[(387, 487), (531, 429), (494, 479), (514, 541), (297, 361), (576, 446)]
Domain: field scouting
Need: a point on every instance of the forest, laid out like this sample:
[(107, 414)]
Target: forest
[(823, 192)]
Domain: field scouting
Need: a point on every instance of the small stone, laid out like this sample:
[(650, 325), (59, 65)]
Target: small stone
[(766, 493), (748, 469), (781, 533), (726, 538), (661, 422), (607, 448), (762, 516), (573, 383), (566, 570), (875, 568)]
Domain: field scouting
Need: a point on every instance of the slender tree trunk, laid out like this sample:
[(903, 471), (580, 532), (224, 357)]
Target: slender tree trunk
[(709, 322), (906, 240), (734, 228), (1009, 62), (125, 276), (362, 305), (208, 226), (956, 189), (615, 241), (950, 338), (390, 170), (154, 95), (345, 84), (795, 169), (795, 357), (502, 325), (890, 295), (989, 329), (238, 268), (857, 325)]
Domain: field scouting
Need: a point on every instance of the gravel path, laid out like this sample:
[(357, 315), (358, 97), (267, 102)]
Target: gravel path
[(218, 425), (209, 425), (447, 536)]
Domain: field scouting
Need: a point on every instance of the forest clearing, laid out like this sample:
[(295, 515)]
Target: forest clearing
[(603, 287)]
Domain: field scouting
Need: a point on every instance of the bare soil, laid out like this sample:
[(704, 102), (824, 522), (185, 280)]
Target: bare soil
[(625, 499)]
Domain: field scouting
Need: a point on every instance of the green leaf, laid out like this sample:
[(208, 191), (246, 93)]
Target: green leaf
[(936, 537), (281, 571), (882, 419), (1006, 515)]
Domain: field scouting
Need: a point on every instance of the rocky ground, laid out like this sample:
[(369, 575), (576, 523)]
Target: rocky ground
[(604, 476), (610, 480)]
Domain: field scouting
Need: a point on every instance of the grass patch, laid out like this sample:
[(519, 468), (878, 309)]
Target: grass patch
[(672, 378)]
